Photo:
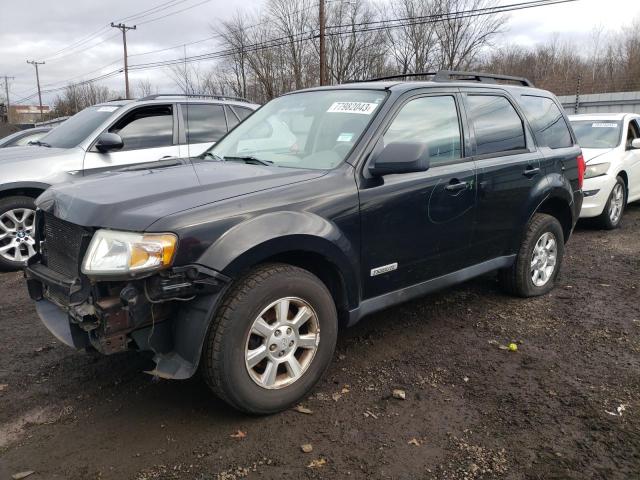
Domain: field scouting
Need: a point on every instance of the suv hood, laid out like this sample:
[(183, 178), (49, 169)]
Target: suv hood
[(133, 200), (29, 152)]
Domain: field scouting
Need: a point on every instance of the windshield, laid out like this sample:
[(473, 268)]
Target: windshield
[(313, 130), (597, 133), (74, 130)]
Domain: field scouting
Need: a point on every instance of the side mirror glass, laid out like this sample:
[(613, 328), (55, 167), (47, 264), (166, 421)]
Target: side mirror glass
[(635, 144), (108, 142), (401, 157)]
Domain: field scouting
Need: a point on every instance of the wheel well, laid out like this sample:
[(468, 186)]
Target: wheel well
[(625, 177), (27, 192), (322, 268), (561, 211)]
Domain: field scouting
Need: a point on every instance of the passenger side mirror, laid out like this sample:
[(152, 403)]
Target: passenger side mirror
[(401, 157), (635, 144), (108, 142)]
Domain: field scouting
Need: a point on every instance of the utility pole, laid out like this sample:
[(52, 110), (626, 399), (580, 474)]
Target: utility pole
[(323, 53), (123, 28), (6, 91), (35, 64)]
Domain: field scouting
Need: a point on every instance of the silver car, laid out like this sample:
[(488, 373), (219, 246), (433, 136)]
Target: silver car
[(104, 137)]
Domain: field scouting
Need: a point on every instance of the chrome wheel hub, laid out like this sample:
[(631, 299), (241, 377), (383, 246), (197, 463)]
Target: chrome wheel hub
[(16, 234), (616, 203), (282, 342), (544, 259)]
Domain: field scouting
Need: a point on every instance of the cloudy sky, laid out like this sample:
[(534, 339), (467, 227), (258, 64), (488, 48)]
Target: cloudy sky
[(73, 37)]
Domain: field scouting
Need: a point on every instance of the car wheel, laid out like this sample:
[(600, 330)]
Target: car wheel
[(264, 350), (538, 260), (611, 216), (17, 215)]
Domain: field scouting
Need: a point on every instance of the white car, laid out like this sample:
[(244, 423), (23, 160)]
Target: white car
[(611, 148)]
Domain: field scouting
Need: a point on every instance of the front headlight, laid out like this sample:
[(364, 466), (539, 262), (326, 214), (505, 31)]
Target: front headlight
[(596, 170), (113, 252)]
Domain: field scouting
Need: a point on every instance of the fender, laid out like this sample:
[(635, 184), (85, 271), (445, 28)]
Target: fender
[(23, 186), (271, 234)]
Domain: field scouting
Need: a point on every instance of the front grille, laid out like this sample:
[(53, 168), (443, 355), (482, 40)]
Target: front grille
[(64, 243)]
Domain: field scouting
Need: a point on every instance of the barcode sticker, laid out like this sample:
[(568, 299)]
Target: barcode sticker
[(362, 108)]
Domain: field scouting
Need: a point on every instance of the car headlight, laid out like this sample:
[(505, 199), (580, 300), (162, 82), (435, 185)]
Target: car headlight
[(596, 170), (113, 252)]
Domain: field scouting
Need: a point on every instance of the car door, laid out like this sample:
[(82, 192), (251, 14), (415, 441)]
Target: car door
[(632, 161), (203, 124), (148, 135), (508, 167), (418, 226)]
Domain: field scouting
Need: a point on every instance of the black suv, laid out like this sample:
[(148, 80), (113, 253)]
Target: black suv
[(324, 206)]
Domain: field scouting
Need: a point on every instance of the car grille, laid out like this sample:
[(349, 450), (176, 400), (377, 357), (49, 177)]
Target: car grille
[(64, 245)]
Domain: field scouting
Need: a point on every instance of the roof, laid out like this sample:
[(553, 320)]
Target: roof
[(602, 116)]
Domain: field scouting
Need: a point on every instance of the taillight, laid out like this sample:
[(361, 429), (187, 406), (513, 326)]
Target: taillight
[(581, 168)]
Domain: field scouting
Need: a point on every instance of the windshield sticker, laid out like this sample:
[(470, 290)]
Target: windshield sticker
[(345, 137), (107, 109), (604, 125), (362, 108)]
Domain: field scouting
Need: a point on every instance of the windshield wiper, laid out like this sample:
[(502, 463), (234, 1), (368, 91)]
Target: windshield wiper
[(249, 159), (40, 144), (215, 156)]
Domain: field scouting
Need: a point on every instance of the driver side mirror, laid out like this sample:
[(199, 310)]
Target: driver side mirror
[(108, 142), (635, 144), (401, 157)]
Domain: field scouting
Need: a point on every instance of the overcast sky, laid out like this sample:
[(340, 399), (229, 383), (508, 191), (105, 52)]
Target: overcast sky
[(39, 29)]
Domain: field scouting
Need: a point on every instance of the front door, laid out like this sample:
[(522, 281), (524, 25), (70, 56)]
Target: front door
[(632, 161), (418, 226), (148, 135)]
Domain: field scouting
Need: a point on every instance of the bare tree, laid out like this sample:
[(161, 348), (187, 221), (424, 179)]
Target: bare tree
[(145, 88)]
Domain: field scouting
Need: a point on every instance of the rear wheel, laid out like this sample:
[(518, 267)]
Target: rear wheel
[(17, 215), (271, 340), (611, 216), (539, 258)]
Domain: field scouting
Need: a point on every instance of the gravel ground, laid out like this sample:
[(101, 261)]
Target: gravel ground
[(566, 405)]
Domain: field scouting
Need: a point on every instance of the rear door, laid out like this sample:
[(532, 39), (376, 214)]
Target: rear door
[(203, 124), (148, 135), (508, 167), (418, 226)]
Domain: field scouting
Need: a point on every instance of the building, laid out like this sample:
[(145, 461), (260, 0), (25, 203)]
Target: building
[(28, 114)]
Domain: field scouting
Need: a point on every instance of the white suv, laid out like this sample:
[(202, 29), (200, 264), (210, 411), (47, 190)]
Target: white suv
[(105, 137), (611, 148)]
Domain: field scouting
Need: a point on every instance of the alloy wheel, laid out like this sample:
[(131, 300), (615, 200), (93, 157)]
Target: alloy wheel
[(544, 259), (616, 203), (282, 343), (16, 234)]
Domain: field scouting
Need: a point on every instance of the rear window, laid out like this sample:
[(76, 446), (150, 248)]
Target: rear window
[(498, 127), (547, 121), (597, 133)]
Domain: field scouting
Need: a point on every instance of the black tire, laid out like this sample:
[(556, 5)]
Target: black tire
[(223, 362), (517, 279), (7, 204), (604, 220)]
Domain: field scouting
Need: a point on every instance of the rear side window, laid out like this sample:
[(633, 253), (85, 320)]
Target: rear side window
[(430, 120), (547, 121), (146, 127), (498, 127), (242, 112), (205, 123)]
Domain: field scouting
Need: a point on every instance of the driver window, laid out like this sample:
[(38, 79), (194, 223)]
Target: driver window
[(430, 120), (146, 127)]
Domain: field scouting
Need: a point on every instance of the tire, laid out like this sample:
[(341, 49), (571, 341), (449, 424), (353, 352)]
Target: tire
[(14, 239), (231, 340), (519, 278), (617, 200)]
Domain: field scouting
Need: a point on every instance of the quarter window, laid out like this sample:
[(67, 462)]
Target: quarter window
[(205, 123), (430, 120), (547, 121), (147, 127), (498, 127)]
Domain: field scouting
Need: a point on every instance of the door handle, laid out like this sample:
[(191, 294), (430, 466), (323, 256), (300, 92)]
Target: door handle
[(531, 171), (456, 186)]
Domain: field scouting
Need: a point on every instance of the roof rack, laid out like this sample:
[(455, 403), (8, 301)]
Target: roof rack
[(189, 95), (453, 75)]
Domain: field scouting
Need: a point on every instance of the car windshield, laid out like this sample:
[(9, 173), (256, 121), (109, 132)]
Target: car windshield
[(313, 130), (71, 132), (597, 133)]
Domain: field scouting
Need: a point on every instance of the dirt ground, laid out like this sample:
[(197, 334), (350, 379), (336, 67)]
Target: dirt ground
[(566, 405)]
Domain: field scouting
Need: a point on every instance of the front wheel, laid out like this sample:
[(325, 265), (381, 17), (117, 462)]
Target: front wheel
[(611, 216), (271, 340), (538, 260), (17, 215)]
